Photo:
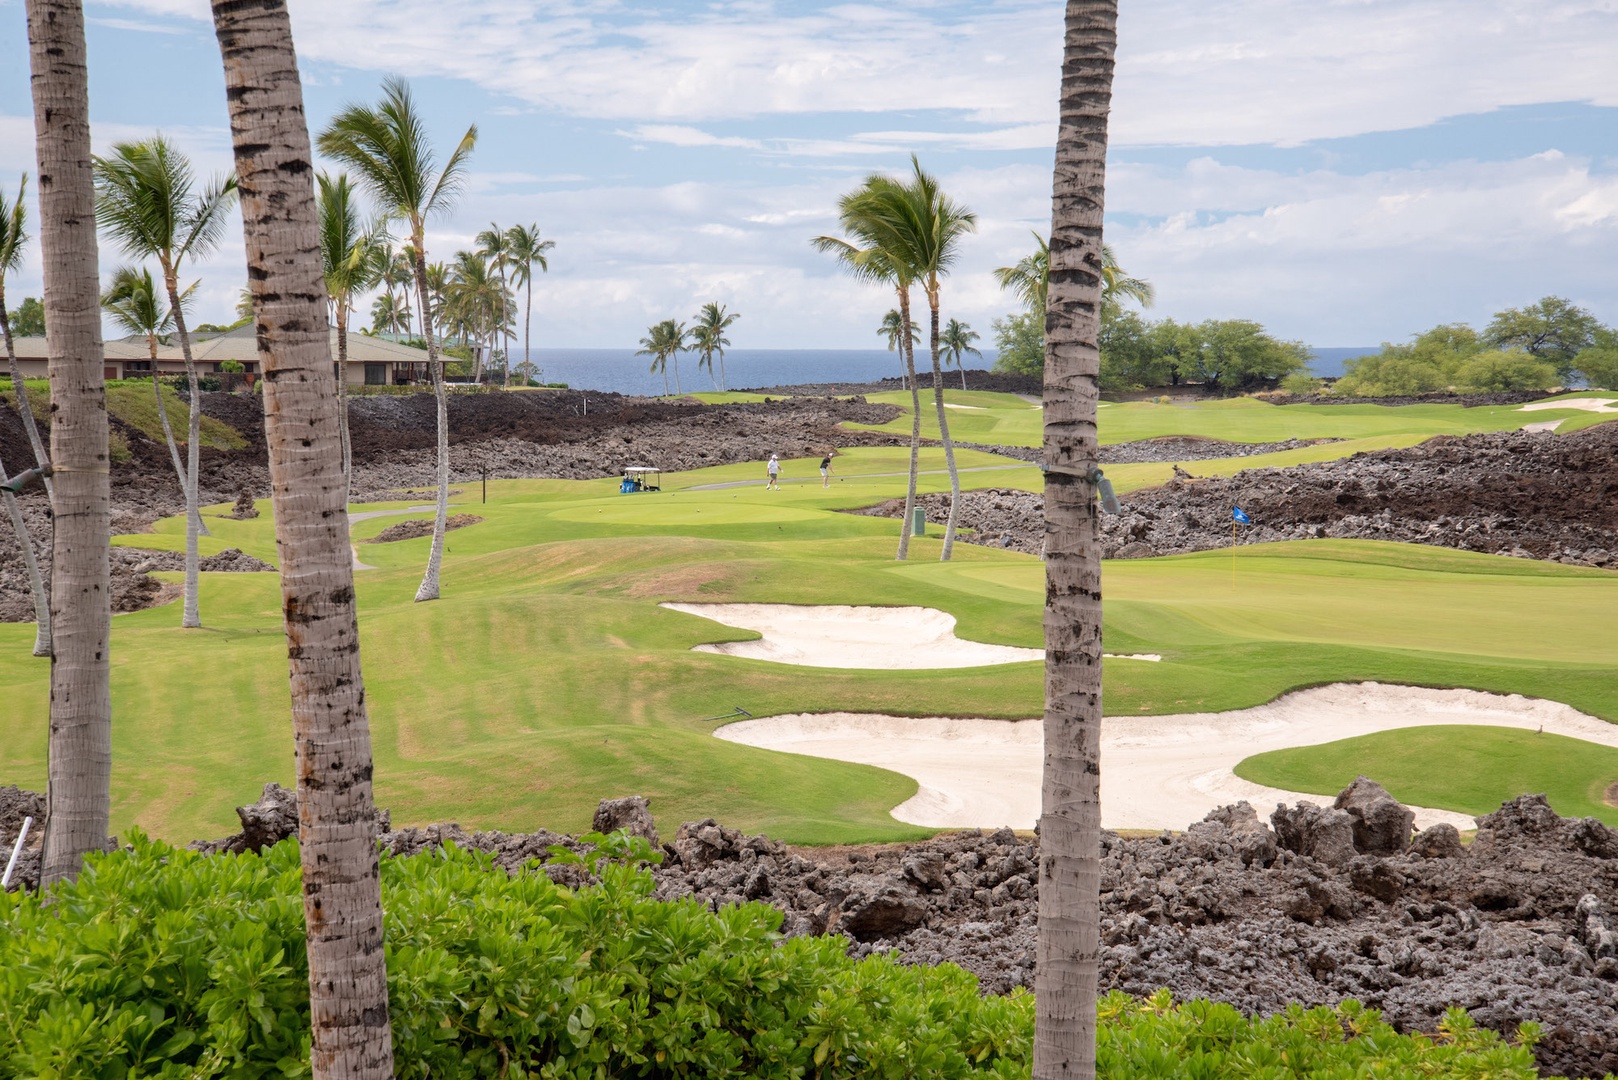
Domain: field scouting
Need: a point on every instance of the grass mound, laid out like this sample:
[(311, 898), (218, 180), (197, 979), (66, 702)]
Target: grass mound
[(158, 961), (1463, 768)]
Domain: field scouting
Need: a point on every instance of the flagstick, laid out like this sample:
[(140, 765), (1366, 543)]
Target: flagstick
[(1233, 553)]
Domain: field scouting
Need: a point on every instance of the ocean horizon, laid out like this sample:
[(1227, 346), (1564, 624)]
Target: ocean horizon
[(621, 371)]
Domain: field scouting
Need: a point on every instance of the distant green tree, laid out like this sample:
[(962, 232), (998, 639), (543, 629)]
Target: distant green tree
[(1428, 364), (708, 338), (1128, 359), (1553, 330), (1500, 370), (1598, 364), (28, 319), (1236, 354), (1019, 342), (662, 341)]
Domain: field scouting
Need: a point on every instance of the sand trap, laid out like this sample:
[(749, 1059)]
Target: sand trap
[(1158, 772), (1543, 425), (1588, 404), (952, 405), (883, 638)]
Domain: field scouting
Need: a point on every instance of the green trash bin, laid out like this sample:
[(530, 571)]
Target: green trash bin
[(918, 521)]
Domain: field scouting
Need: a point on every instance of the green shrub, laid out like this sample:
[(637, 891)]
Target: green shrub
[(162, 962)]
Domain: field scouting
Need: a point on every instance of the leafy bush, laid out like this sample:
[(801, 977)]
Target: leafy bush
[(161, 962), (1203, 1039), (158, 959)]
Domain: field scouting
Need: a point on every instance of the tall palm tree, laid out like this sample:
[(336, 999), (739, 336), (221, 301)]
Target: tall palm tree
[(476, 300), (1070, 821), (389, 315), (78, 793), (437, 289), (708, 337), (663, 340), (527, 251), (351, 255), (387, 149), (494, 244), (957, 341), (892, 329), (922, 228), (146, 202), (13, 235), (348, 987), (865, 258), (136, 307)]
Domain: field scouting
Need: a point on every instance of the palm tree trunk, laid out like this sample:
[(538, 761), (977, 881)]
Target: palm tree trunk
[(163, 415), (342, 399), (908, 355), (527, 318), (677, 389), (348, 992), (435, 371), (192, 616), (78, 796), (943, 431), (22, 394), (1070, 822), (42, 598), (960, 362), (723, 385)]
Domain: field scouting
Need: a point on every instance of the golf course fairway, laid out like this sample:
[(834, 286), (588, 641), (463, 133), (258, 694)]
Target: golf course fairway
[(548, 677)]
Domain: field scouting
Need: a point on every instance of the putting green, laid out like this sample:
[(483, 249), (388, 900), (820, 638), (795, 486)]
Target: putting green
[(1482, 767), (548, 678), (1009, 420)]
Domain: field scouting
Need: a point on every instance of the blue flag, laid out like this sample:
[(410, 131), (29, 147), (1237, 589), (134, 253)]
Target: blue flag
[(1241, 515)]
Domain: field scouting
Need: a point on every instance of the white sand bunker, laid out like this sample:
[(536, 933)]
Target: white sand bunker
[(1158, 772), (886, 638), (1588, 404)]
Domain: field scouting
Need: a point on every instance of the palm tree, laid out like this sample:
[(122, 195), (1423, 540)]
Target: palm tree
[(864, 258), (1070, 822), (351, 256), (921, 227), (1030, 280), (133, 302), (389, 315), (13, 235), (387, 149), (476, 301), (892, 329), (708, 338), (957, 340), (494, 244), (145, 201), (348, 989), (663, 340), (527, 251), (78, 799)]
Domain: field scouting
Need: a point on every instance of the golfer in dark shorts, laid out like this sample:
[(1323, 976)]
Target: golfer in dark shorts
[(825, 471)]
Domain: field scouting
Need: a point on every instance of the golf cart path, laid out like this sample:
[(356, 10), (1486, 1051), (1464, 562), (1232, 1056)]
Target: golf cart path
[(1157, 772), (860, 476), (367, 515)]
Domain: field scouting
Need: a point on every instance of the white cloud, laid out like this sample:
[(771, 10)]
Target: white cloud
[(1190, 72)]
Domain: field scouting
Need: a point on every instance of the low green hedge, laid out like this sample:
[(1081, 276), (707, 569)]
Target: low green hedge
[(159, 962)]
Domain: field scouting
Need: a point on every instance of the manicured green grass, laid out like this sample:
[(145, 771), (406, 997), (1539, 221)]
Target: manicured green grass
[(1468, 769), (548, 677), (1008, 420)]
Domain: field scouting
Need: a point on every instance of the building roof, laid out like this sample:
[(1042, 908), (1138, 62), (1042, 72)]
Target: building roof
[(240, 345)]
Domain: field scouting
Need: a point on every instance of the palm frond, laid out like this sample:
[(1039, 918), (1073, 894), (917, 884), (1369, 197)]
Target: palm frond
[(13, 230)]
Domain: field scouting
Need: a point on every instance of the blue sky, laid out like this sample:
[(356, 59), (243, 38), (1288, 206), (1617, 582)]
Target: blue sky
[(1345, 171)]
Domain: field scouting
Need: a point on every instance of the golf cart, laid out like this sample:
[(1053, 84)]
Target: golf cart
[(641, 478)]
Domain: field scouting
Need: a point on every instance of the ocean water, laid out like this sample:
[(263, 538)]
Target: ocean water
[(620, 370)]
